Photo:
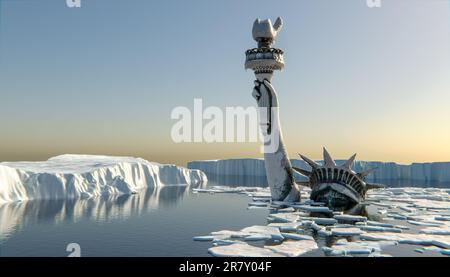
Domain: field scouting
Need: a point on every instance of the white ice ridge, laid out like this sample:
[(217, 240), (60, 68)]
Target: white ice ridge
[(75, 176), (420, 172)]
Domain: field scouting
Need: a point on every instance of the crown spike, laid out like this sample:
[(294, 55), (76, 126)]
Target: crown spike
[(303, 172), (327, 158), (312, 163), (349, 164)]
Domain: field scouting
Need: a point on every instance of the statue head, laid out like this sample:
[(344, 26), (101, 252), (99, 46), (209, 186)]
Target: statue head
[(265, 33)]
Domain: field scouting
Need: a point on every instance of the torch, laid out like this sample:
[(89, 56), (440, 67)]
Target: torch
[(264, 59)]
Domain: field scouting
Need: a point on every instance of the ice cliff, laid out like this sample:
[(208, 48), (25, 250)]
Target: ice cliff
[(438, 172), (75, 176)]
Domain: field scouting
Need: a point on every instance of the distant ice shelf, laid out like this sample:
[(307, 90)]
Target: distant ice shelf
[(81, 176), (436, 172)]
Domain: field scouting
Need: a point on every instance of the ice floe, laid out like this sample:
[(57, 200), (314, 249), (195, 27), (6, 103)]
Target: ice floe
[(356, 248), (293, 248), (344, 232), (436, 230), (241, 250), (294, 229), (350, 218)]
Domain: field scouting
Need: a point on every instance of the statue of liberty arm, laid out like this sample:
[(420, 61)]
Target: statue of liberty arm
[(279, 171), (263, 61)]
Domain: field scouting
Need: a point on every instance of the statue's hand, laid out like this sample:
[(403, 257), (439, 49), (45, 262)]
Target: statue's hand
[(265, 94)]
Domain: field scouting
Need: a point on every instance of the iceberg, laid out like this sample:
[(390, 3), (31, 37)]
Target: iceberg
[(82, 176), (433, 172)]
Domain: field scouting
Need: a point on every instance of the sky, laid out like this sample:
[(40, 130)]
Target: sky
[(104, 78)]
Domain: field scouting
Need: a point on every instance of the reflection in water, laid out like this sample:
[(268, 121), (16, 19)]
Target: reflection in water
[(14, 216)]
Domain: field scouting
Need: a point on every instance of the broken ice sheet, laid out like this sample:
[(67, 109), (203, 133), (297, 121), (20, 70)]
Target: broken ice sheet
[(344, 248), (346, 232), (294, 236), (380, 229), (293, 248), (241, 250), (283, 217), (273, 232), (286, 226), (436, 230), (350, 218), (203, 238), (426, 209), (415, 239)]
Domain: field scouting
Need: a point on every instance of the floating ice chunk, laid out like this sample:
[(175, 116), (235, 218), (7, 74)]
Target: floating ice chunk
[(436, 230), (284, 217), (424, 223), (258, 237), (282, 204), (401, 227), (432, 248), (380, 224), (391, 237), (257, 208), (261, 199), (344, 252), (441, 241), (397, 216), (286, 227), (294, 236), (262, 194), (258, 204), (321, 220), (227, 234), (346, 232), (344, 248), (273, 232), (344, 225), (415, 239), (432, 204), (385, 205), (419, 250), (293, 248), (442, 218), (350, 218), (203, 238), (407, 209), (445, 252), (286, 210), (313, 209), (380, 229), (241, 250), (217, 242)]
